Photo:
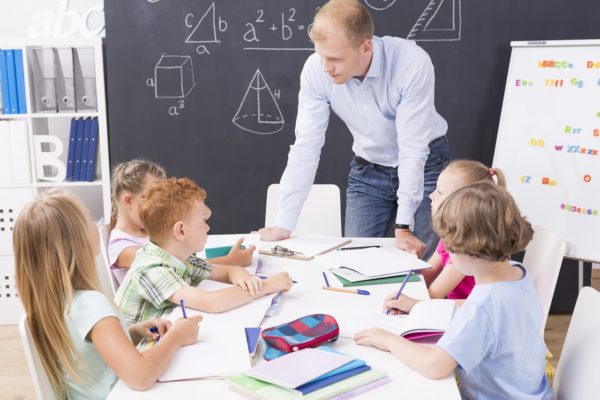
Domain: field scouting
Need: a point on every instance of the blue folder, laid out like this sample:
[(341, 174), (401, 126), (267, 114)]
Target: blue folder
[(78, 151), (328, 379), (93, 150), (20, 77), (12, 81), (4, 84), (85, 150), (71, 151)]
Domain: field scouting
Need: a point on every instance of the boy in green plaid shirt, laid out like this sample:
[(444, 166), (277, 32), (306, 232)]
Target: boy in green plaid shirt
[(166, 270)]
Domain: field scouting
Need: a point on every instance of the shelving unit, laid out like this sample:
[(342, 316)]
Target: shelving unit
[(13, 197)]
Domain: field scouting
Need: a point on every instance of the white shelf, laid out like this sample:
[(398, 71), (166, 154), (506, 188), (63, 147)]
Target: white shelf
[(13, 197), (68, 184)]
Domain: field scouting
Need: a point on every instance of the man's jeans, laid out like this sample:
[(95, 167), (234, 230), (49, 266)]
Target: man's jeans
[(371, 200)]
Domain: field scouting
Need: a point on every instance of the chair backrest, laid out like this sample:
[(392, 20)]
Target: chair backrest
[(543, 258), (41, 384), (578, 372), (321, 213), (109, 285)]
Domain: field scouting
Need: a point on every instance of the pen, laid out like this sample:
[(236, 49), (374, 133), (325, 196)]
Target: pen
[(359, 247), (401, 287), (154, 329), (182, 308), (265, 277), (326, 280), (353, 291)]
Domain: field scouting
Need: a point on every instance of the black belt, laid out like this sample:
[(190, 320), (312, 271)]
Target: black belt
[(361, 161)]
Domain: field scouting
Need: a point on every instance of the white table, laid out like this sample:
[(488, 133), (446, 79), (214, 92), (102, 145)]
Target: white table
[(307, 297)]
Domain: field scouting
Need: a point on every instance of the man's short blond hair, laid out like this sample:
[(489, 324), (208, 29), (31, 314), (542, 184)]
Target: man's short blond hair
[(165, 202), (482, 220), (351, 15)]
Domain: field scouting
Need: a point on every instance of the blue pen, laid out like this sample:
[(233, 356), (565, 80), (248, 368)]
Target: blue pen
[(154, 329), (326, 280), (182, 308), (266, 277), (401, 288)]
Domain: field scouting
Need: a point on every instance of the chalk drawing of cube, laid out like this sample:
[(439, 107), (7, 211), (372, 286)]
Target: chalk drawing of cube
[(173, 77)]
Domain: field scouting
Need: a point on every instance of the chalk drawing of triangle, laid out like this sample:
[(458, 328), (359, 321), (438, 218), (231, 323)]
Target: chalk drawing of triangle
[(205, 30), (259, 112), (440, 21)]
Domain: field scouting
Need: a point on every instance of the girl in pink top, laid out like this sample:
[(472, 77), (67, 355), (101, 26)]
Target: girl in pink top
[(443, 279)]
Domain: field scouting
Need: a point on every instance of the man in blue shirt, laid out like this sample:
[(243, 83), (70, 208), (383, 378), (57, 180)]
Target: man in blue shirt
[(383, 89)]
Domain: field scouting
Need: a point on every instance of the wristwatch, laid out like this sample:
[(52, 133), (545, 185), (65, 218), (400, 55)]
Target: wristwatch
[(404, 227)]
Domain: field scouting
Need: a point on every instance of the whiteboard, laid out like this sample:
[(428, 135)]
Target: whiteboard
[(548, 142)]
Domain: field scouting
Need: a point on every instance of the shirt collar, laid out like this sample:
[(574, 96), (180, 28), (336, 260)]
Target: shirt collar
[(376, 60)]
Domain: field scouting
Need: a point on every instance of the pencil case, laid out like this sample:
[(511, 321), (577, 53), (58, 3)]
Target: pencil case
[(309, 331)]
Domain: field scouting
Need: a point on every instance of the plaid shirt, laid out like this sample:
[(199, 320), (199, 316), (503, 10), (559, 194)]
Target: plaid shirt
[(156, 275)]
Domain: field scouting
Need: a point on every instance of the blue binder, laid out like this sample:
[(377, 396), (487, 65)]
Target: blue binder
[(91, 164), (71, 151), (20, 78), (4, 88), (87, 128), (12, 81), (78, 151)]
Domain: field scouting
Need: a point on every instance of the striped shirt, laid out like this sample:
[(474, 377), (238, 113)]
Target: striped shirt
[(154, 277)]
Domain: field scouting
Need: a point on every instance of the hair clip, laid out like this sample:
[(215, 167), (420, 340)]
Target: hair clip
[(491, 172)]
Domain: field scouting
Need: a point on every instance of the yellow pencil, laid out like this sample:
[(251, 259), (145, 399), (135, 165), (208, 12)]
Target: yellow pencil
[(353, 291)]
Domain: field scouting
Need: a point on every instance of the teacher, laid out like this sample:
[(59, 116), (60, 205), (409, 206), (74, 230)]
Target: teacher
[(383, 90)]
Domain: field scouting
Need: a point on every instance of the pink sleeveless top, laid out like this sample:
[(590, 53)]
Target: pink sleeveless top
[(464, 287)]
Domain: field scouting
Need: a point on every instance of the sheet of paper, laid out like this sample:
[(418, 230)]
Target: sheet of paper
[(217, 354), (309, 245), (373, 262), (230, 240), (299, 367)]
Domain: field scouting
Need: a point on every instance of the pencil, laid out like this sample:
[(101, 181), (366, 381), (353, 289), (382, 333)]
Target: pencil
[(353, 291), (401, 288), (359, 247), (182, 308)]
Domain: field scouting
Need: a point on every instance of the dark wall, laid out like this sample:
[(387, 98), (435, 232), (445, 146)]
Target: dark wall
[(468, 41)]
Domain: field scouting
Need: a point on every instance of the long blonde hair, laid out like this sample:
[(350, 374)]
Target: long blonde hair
[(53, 258), (129, 177)]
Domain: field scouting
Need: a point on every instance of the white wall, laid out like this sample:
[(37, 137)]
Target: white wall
[(54, 19)]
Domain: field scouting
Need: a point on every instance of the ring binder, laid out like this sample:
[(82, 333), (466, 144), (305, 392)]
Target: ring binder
[(85, 79), (65, 89), (44, 81)]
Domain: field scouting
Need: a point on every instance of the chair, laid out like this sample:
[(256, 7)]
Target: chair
[(109, 285), (578, 371), (321, 213), (41, 384), (543, 258)]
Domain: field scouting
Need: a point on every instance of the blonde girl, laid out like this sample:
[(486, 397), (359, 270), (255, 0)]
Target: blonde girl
[(443, 278), (82, 342), (129, 179)]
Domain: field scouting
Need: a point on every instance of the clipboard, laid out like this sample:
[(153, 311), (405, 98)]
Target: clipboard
[(281, 251)]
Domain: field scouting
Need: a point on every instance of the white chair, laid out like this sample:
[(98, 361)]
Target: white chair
[(321, 213), (109, 285), (543, 258), (41, 384), (578, 372)]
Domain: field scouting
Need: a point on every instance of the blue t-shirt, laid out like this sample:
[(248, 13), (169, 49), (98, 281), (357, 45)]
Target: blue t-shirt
[(495, 338), (89, 307)]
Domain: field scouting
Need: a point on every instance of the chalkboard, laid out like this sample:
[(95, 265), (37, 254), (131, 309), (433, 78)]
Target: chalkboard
[(211, 63), (549, 139)]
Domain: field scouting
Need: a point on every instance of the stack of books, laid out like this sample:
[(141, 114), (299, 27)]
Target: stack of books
[(308, 374)]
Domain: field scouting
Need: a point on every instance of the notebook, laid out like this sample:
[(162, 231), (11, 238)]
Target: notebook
[(371, 263), (304, 247), (376, 281), (428, 319), (344, 389), (299, 367), (218, 353)]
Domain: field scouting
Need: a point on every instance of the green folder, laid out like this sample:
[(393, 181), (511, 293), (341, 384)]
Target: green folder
[(377, 281), (214, 252)]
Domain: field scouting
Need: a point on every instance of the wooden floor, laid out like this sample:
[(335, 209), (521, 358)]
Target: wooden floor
[(15, 382)]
